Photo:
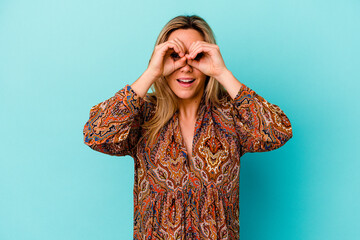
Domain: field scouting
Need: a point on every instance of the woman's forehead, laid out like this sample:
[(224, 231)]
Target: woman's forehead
[(187, 36)]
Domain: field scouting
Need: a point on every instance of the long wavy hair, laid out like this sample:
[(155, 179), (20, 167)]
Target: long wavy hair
[(164, 98)]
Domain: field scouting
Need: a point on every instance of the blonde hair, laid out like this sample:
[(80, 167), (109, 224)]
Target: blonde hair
[(162, 95)]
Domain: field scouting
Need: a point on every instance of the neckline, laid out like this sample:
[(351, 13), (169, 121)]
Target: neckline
[(179, 136)]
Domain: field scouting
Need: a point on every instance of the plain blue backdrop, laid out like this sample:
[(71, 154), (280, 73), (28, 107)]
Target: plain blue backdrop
[(60, 58)]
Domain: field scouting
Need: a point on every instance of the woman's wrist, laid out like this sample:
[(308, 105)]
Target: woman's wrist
[(151, 75), (229, 82), (225, 74), (143, 83)]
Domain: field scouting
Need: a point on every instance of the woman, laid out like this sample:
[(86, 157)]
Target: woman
[(186, 137)]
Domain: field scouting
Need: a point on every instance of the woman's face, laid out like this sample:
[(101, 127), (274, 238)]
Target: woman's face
[(187, 82)]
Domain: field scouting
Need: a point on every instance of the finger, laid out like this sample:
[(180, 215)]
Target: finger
[(159, 53), (178, 48), (197, 50), (171, 45), (206, 46), (182, 46), (194, 64), (205, 49), (197, 44), (189, 50), (193, 46), (171, 64), (180, 63)]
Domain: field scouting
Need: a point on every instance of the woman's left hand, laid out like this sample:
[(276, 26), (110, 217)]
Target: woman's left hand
[(206, 57)]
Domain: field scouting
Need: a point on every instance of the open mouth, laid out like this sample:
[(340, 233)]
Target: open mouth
[(186, 81)]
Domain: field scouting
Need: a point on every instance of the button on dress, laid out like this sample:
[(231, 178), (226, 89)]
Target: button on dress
[(182, 197)]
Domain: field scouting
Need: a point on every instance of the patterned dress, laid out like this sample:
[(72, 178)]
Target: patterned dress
[(176, 197)]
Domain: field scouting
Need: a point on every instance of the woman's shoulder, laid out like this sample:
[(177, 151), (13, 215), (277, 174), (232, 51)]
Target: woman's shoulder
[(149, 106), (150, 99), (224, 100)]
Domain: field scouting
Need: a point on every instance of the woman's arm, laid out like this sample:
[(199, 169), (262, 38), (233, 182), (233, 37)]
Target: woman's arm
[(114, 125), (160, 64), (261, 126)]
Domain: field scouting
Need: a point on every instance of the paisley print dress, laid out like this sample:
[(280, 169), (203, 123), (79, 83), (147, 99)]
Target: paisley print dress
[(177, 197)]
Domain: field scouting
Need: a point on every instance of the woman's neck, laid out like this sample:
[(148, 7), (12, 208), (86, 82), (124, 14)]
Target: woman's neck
[(188, 108)]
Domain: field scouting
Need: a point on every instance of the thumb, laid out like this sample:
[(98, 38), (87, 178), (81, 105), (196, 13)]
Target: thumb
[(193, 63), (180, 63)]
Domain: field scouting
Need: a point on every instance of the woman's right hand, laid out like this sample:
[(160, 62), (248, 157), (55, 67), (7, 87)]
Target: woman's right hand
[(167, 57)]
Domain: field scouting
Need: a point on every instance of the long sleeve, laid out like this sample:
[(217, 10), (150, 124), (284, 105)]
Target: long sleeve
[(114, 125), (261, 126)]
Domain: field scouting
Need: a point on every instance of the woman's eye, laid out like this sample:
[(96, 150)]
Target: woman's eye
[(200, 55), (174, 55)]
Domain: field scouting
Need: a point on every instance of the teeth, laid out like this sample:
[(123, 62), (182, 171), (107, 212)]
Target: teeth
[(186, 80)]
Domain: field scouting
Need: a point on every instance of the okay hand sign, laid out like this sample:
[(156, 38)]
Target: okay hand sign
[(207, 58)]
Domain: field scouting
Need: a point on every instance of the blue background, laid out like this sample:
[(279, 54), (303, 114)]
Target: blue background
[(60, 58)]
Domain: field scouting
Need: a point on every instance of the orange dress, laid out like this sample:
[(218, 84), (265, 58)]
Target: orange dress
[(176, 197)]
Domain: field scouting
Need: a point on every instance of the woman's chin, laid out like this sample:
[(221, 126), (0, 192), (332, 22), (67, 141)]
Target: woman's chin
[(188, 95)]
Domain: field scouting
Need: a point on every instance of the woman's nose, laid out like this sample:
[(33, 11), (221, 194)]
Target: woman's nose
[(186, 67)]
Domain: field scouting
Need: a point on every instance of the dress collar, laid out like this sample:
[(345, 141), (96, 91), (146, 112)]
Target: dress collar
[(203, 106)]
